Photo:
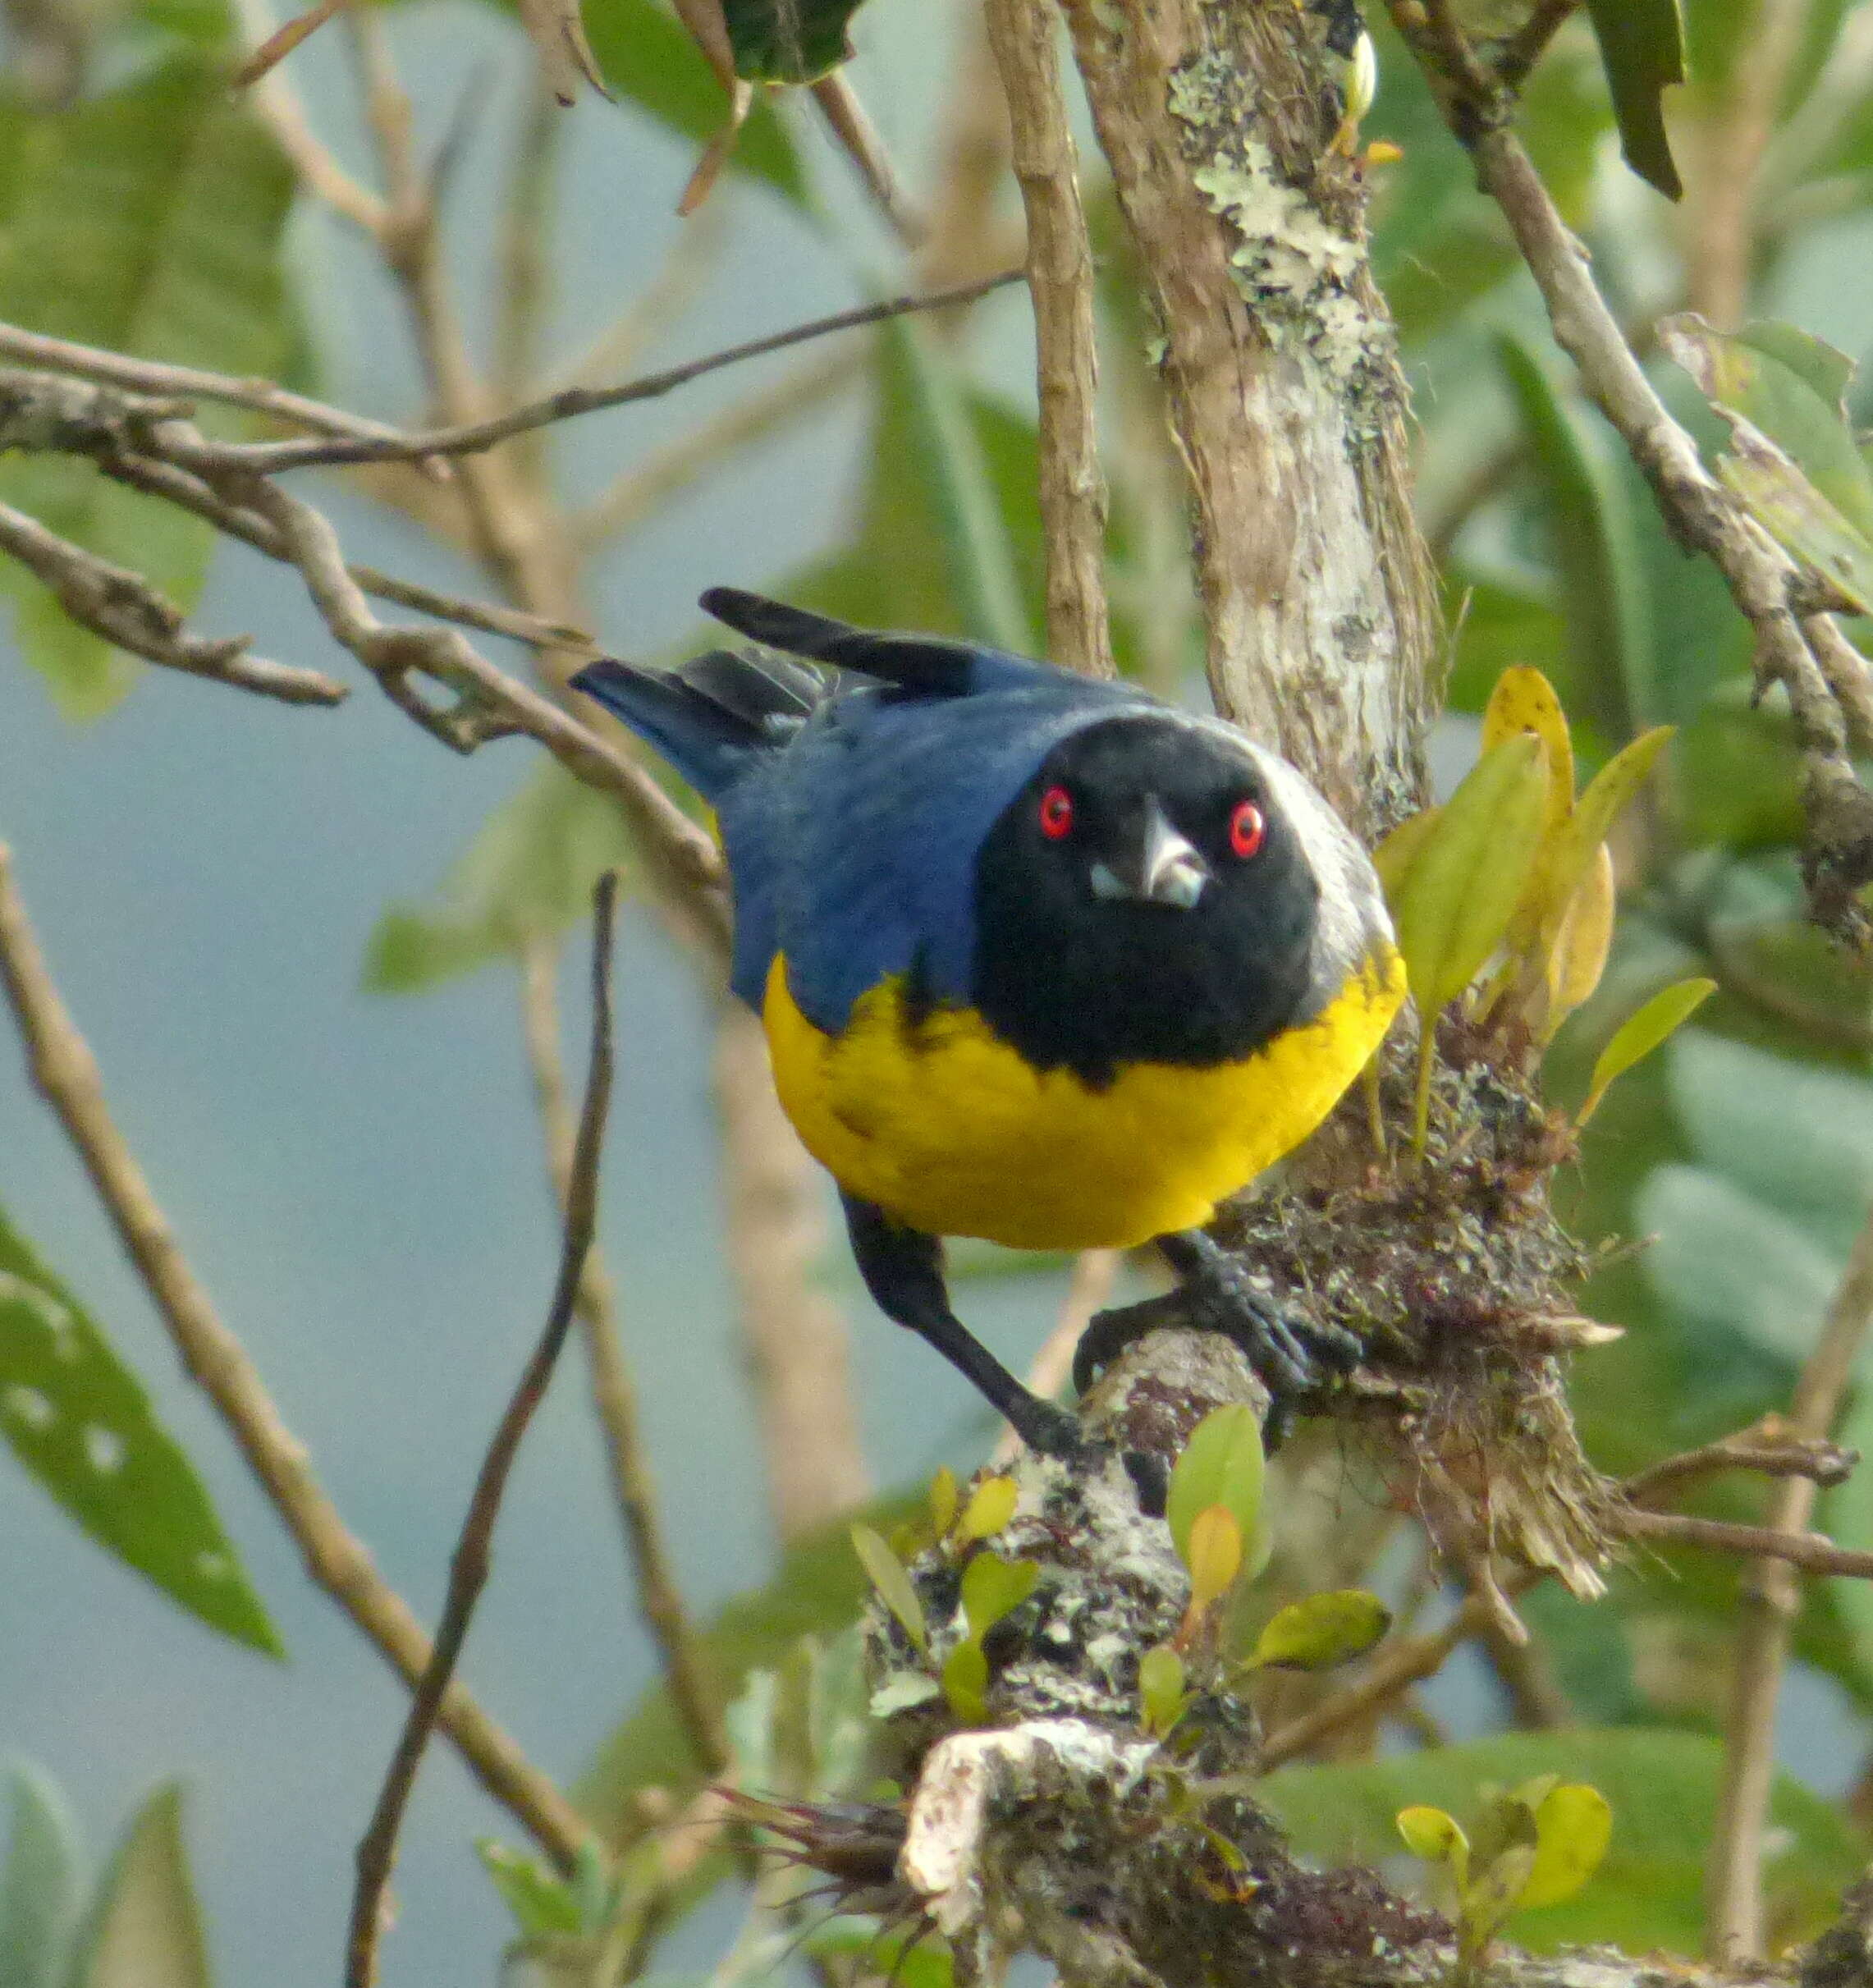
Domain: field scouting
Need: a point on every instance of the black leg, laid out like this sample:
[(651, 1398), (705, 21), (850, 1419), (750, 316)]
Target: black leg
[(1218, 1296), (903, 1270)]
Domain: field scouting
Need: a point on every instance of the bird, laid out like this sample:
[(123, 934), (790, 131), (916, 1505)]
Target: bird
[(1040, 958)]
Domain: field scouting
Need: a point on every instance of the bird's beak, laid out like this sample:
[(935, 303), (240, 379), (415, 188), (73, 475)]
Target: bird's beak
[(1165, 868)]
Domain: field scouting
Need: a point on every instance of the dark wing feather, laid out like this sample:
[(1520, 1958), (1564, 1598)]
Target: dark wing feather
[(757, 688), (932, 665)]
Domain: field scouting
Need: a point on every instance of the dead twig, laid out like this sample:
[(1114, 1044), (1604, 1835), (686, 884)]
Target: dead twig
[(1059, 281), (125, 609), (65, 1072), (1771, 1448), (269, 458), (469, 1566), (1810, 1551), (1770, 1598)]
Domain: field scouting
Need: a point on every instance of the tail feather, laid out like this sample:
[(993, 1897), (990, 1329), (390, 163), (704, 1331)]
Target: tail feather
[(934, 665), (708, 739)]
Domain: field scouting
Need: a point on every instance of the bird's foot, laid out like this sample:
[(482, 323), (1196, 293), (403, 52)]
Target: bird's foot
[(1294, 1358)]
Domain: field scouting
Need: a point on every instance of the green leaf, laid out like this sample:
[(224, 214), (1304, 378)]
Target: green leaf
[(817, 1590), (1573, 1825), (1662, 1786), (1796, 514), (1223, 1463), (1641, 45), (1640, 1033), (965, 1682), (79, 1420), (1160, 1689), (146, 1927), (1594, 529), (147, 220), (1565, 867), (1466, 879), (1791, 387), (788, 41), (527, 874), (891, 1578), (994, 1588), (41, 1884), (540, 1898), (943, 1500), (646, 58), (1322, 1630)]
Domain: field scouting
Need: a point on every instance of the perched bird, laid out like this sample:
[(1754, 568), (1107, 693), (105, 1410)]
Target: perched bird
[(1040, 959)]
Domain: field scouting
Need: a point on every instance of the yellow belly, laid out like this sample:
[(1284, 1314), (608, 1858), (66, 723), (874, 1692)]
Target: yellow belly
[(944, 1126)]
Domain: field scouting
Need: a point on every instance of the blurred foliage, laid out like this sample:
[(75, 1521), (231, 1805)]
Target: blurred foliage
[(139, 1927)]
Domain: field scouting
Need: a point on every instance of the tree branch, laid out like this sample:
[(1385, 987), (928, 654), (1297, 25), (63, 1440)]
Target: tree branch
[(65, 1072), (270, 458), (1059, 281), (124, 609), (468, 1568)]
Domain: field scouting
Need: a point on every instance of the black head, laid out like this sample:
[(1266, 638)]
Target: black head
[(1146, 897)]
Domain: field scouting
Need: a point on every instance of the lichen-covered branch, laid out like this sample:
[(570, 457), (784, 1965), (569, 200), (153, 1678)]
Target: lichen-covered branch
[(1285, 389)]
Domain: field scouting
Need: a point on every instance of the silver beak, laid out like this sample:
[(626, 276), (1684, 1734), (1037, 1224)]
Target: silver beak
[(1169, 870)]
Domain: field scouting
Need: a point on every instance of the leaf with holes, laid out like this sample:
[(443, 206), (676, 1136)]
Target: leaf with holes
[(148, 219), (80, 1422)]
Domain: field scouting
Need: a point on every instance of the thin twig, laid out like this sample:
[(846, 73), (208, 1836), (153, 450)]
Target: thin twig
[(1770, 1448), (1770, 1598), (124, 609), (270, 458), (613, 1395), (468, 1565), (1809, 1550), (1060, 280), (1525, 48), (846, 119), (65, 1072), (188, 384)]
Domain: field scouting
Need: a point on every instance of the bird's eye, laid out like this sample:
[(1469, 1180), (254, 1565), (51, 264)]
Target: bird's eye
[(1247, 828), (1056, 814)]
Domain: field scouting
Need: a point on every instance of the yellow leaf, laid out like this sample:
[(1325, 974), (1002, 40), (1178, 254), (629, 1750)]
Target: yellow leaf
[(1216, 1555), (1580, 946), (1524, 701), (1437, 1838), (1565, 866), (992, 1588), (1463, 885), (943, 1499), (1573, 1825), (1640, 1033), (991, 1506)]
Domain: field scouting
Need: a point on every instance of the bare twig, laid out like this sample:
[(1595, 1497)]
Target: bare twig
[(269, 458), (1059, 279), (686, 1667), (1771, 1448), (1526, 47), (1770, 1598), (1808, 1550), (468, 1567), (846, 119), (188, 384), (125, 609), (66, 1075)]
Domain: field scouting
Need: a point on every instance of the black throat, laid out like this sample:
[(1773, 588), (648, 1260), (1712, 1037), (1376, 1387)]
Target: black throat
[(1072, 981)]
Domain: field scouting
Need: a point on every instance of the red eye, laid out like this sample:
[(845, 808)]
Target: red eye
[(1247, 828), (1056, 814)]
